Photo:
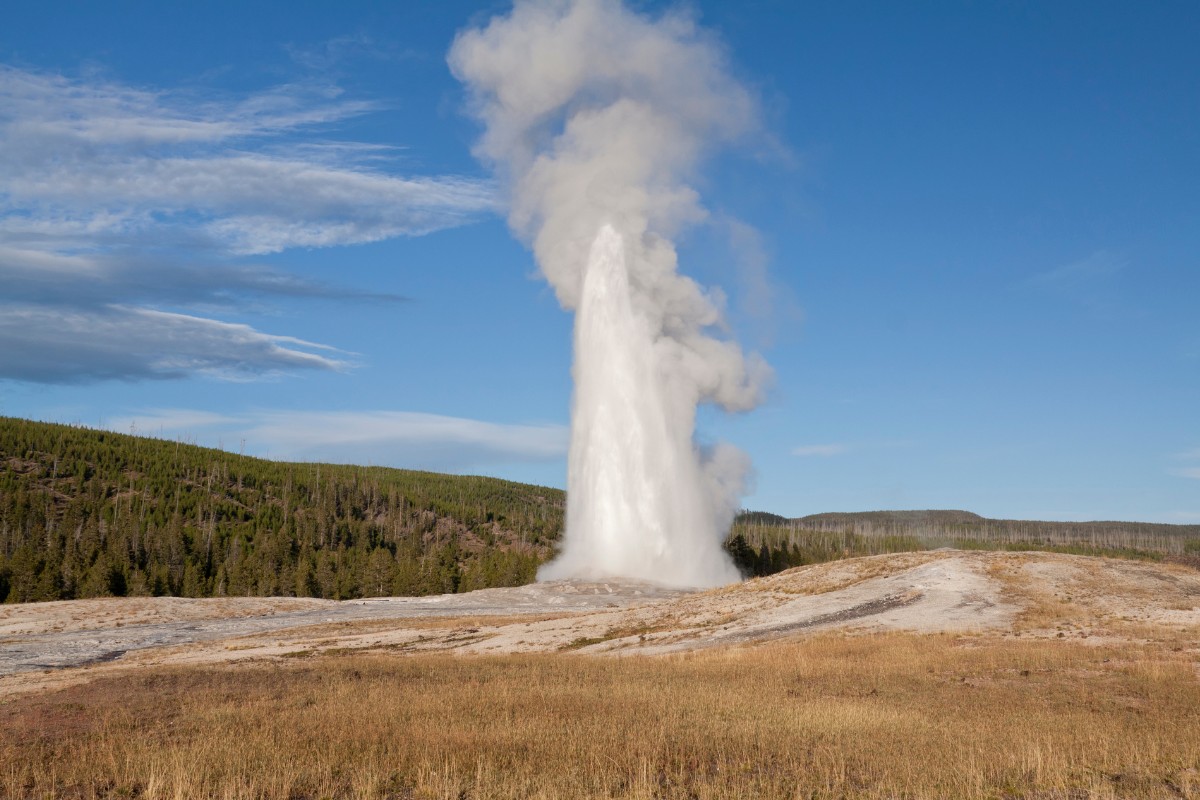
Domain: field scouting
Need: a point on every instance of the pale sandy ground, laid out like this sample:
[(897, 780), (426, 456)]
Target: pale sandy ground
[(44, 645)]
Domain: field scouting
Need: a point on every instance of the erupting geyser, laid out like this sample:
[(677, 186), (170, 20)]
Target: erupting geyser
[(635, 500), (595, 118)]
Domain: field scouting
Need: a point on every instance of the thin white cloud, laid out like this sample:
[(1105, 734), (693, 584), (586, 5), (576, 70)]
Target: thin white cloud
[(55, 345), (45, 109), (395, 438), (1091, 281), (330, 54), (820, 450), (247, 204), (1187, 472), (16, 262), (170, 422), (122, 206), (74, 281), (1180, 517), (1100, 264), (91, 153), (311, 432)]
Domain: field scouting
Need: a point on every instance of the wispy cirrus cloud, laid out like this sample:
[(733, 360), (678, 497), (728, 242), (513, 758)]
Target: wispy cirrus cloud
[(1179, 518), (89, 280), (332, 53), (128, 213), (1190, 471), (396, 438), (83, 345), (87, 157), (820, 450), (1090, 281), (241, 204), (1098, 265), (831, 449)]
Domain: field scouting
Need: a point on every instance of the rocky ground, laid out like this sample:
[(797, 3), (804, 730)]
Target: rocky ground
[(45, 645)]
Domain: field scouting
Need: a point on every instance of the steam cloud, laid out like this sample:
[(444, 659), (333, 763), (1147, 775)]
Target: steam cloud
[(595, 120)]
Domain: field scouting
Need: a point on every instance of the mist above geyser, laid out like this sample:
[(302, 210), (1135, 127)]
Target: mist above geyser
[(595, 120)]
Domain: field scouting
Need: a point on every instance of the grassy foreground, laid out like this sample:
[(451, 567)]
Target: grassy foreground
[(890, 715)]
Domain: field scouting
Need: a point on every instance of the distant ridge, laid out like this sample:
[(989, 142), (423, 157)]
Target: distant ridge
[(958, 523), (920, 517), (761, 518)]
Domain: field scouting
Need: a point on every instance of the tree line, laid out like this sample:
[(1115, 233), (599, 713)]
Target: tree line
[(762, 543)]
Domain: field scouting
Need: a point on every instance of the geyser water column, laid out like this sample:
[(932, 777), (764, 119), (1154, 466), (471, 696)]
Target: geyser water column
[(595, 119), (635, 506)]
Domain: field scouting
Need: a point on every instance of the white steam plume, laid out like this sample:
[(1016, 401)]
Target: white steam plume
[(595, 118)]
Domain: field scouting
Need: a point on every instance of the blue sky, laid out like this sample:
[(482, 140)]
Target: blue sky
[(966, 240)]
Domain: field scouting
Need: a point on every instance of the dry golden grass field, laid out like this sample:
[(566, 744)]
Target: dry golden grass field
[(1086, 686)]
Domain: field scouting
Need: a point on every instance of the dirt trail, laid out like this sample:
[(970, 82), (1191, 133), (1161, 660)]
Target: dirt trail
[(994, 594)]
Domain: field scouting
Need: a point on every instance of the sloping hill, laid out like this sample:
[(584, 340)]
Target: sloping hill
[(87, 513)]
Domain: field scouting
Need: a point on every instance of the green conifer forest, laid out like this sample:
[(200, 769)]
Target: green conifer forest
[(88, 513)]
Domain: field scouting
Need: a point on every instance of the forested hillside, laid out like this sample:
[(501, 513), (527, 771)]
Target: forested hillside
[(87, 513)]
